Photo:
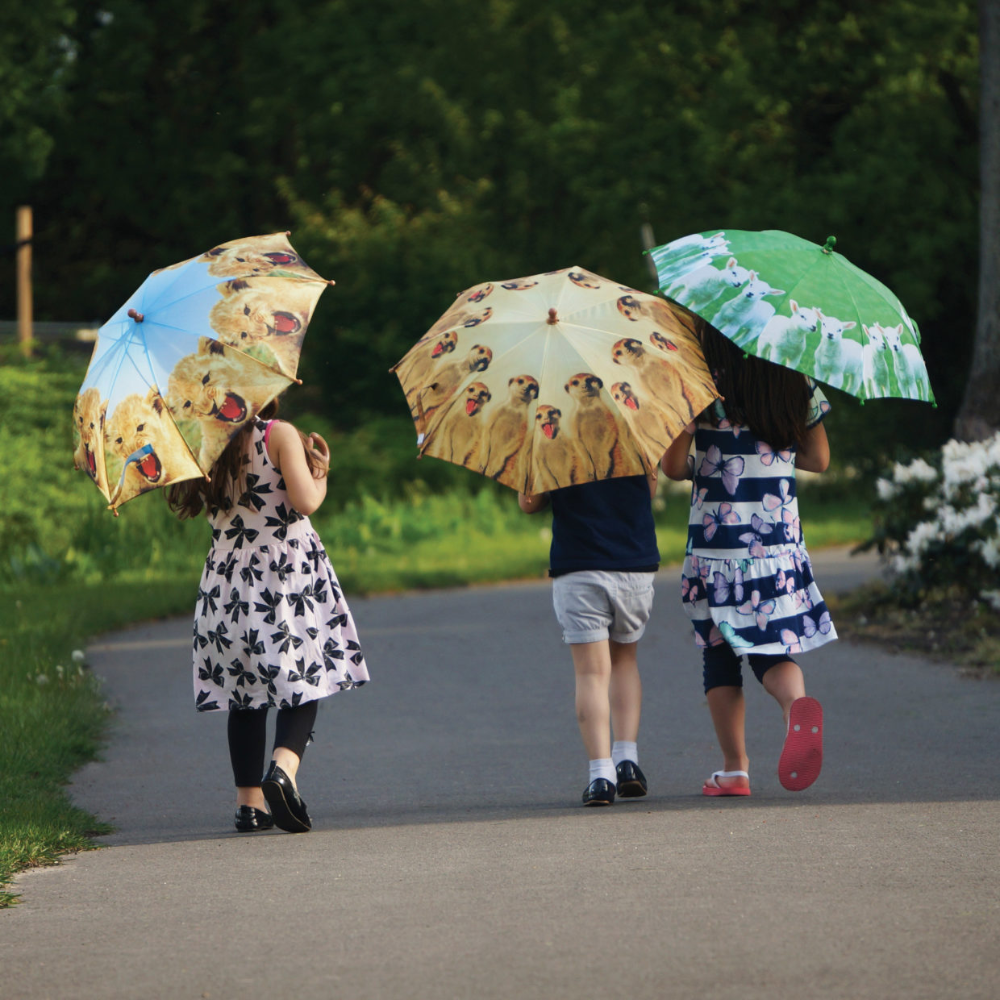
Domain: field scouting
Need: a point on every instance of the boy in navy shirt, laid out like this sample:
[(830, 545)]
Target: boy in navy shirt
[(602, 560)]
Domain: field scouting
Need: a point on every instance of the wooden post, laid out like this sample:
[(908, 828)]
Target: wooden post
[(24, 317)]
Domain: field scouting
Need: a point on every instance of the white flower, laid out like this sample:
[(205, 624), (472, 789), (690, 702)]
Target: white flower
[(992, 598), (886, 490), (989, 549), (42, 679), (78, 656), (917, 471)]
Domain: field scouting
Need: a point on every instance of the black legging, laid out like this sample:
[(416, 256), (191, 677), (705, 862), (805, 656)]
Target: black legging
[(248, 737)]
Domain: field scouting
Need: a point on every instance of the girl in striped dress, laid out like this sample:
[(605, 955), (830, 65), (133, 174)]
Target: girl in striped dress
[(747, 582)]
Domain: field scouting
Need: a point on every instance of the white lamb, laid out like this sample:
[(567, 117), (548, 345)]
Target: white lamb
[(875, 361), (748, 312), (687, 253), (838, 359), (707, 284), (783, 340), (911, 372)]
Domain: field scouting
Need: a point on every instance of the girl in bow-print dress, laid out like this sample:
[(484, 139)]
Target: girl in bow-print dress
[(747, 582), (272, 627)]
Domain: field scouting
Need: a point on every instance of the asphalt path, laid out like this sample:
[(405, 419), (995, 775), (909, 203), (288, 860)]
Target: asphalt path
[(450, 857)]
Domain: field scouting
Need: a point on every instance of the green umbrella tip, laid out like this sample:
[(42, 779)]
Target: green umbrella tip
[(831, 242)]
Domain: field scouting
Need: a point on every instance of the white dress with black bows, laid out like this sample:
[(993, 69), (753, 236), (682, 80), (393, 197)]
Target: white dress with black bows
[(271, 626)]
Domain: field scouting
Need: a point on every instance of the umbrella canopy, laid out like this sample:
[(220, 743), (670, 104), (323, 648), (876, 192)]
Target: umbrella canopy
[(555, 379), (192, 355), (800, 305)]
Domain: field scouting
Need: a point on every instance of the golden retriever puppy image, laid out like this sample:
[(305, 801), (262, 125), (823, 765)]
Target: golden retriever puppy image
[(584, 279), (255, 256), (219, 390), (647, 422), (502, 458), (595, 427), (670, 319), (266, 319), (419, 361), (461, 433), (88, 430), (663, 343), (558, 457), (480, 293), (146, 447), (444, 381), (663, 387)]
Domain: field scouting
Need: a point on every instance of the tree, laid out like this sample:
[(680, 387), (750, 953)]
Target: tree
[(979, 416)]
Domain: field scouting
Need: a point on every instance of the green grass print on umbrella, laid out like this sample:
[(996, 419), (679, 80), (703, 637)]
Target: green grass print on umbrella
[(800, 305)]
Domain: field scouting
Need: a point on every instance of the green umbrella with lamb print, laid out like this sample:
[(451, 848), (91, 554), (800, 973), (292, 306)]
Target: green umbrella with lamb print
[(798, 304)]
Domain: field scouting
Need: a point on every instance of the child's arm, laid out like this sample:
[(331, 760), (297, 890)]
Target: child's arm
[(532, 503), (287, 452), (675, 464), (813, 451)]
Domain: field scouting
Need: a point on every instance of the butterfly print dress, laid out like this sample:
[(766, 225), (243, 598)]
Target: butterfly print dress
[(271, 626), (747, 579)]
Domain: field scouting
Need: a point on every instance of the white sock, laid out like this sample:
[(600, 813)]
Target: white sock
[(602, 768), (623, 750)]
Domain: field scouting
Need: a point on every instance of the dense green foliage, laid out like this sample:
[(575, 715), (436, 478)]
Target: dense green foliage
[(417, 148)]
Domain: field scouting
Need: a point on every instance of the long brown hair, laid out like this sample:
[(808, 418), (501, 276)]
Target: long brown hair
[(228, 476), (773, 401)]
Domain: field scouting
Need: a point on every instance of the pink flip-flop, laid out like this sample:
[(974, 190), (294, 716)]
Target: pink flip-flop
[(712, 786), (802, 755)]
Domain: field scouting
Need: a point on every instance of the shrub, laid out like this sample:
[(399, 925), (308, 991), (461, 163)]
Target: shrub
[(937, 523)]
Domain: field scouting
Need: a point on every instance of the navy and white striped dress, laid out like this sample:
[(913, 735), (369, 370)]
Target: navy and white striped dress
[(747, 579)]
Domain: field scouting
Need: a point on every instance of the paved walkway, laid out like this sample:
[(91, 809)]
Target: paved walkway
[(450, 859)]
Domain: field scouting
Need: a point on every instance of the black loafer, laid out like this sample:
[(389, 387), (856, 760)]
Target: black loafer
[(600, 792), (631, 781), (250, 820), (287, 808)]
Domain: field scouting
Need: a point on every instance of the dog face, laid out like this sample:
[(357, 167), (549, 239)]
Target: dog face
[(268, 325), (523, 388), (88, 425), (231, 260), (630, 307), (480, 293), (582, 280), (547, 419), (141, 435), (662, 342), (445, 344), (479, 358), (627, 351), (199, 388), (518, 286), (622, 394), (476, 397), (584, 386)]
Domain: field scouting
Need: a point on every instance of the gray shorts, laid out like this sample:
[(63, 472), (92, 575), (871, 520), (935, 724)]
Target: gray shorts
[(599, 604)]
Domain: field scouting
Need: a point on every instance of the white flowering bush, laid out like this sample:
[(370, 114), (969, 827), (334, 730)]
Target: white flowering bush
[(937, 522)]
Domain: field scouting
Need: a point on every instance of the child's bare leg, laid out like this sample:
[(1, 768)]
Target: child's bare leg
[(592, 666), (728, 708), (625, 691), (784, 682)]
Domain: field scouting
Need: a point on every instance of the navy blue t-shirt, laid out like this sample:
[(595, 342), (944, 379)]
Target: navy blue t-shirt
[(605, 525)]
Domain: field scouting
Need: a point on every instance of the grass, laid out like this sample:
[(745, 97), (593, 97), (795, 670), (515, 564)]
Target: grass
[(53, 712)]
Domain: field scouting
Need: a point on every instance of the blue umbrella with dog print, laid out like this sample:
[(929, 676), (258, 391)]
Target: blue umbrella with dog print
[(193, 354), (798, 304)]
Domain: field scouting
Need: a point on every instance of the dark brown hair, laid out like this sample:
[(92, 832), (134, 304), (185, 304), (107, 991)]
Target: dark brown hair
[(773, 401), (228, 476)]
